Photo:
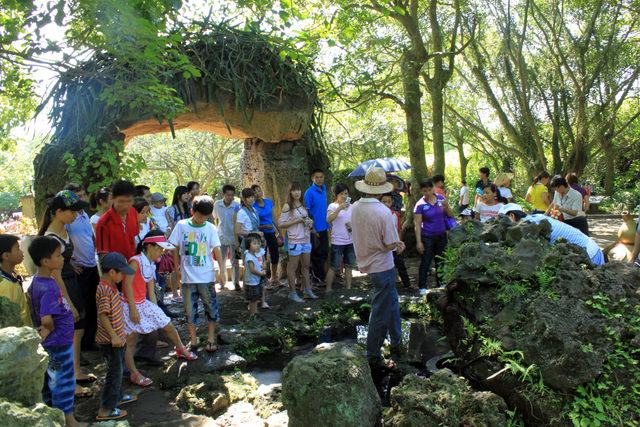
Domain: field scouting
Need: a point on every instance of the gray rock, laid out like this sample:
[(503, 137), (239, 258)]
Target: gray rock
[(23, 363), (330, 386), (180, 372), (39, 415), (9, 313), (443, 399)]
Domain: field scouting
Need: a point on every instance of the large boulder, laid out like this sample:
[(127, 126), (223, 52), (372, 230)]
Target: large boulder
[(533, 322), (9, 313), (330, 386), (443, 399), (39, 415), (23, 363)]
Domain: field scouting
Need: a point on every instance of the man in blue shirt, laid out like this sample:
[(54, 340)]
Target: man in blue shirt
[(315, 199)]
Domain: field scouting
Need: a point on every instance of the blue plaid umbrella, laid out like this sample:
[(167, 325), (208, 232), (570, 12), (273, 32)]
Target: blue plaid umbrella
[(389, 164)]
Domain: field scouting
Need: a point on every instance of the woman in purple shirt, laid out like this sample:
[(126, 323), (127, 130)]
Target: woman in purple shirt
[(431, 231)]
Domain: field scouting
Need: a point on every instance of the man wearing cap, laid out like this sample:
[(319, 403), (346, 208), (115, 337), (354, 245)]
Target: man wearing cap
[(558, 230), (158, 212), (502, 182), (375, 236)]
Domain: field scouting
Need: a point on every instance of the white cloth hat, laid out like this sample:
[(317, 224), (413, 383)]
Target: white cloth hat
[(510, 207)]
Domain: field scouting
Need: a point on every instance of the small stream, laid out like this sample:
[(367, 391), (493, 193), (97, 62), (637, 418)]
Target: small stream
[(423, 343)]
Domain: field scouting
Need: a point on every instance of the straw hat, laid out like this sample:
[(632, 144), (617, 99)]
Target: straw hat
[(503, 177), (374, 182)]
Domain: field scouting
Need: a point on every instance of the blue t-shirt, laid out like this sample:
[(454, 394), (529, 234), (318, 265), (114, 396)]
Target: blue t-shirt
[(265, 214), (257, 260), (47, 299), (315, 198), (432, 216)]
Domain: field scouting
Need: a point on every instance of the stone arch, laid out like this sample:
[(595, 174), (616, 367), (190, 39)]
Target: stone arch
[(279, 124)]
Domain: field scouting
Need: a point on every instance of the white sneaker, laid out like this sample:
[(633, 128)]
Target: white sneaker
[(423, 292)]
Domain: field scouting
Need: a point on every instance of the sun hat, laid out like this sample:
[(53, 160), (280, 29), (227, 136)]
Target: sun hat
[(503, 177), (157, 197), (374, 182), (116, 261), (67, 200), (403, 185), (160, 241), (466, 212)]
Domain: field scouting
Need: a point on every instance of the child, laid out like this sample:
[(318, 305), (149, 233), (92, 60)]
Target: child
[(159, 211), (254, 276), (141, 312), (398, 259), (54, 319), (111, 336), (11, 283), (465, 216), (195, 238)]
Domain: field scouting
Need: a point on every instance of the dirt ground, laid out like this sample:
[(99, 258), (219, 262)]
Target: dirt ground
[(155, 407)]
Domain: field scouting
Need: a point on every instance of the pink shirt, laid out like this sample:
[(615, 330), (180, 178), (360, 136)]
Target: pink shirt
[(339, 233), (295, 233), (374, 227)]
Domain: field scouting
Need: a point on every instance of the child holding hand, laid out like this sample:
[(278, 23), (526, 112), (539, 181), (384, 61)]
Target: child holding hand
[(54, 321), (111, 335), (254, 276)]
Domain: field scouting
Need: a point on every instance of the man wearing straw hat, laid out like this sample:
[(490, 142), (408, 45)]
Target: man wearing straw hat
[(375, 236)]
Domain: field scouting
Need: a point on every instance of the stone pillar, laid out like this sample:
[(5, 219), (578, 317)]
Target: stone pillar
[(274, 166)]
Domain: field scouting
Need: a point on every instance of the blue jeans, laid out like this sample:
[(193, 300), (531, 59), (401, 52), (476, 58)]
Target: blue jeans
[(114, 361), (207, 293), (385, 314), (60, 379), (433, 246)]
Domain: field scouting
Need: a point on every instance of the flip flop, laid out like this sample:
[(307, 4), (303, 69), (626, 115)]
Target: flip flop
[(127, 398), (145, 381), (211, 347), (90, 379), (83, 394), (113, 415)]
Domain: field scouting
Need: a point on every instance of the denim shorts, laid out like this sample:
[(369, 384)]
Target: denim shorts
[(207, 293), (340, 253), (295, 250)]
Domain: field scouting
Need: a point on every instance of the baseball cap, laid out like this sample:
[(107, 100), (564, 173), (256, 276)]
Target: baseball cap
[(510, 207), (466, 212), (67, 200), (157, 197), (116, 261)]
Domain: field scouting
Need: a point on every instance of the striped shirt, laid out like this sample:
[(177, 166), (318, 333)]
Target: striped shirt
[(108, 301), (560, 230)]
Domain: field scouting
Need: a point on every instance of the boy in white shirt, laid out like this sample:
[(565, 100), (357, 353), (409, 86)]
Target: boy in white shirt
[(195, 239), (159, 212)]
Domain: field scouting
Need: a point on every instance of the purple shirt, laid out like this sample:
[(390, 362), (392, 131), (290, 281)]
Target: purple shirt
[(579, 189), (47, 299), (432, 216)]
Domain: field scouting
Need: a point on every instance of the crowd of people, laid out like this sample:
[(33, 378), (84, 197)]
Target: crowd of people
[(101, 280)]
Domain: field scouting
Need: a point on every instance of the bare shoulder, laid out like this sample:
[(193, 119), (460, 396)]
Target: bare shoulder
[(286, 208)]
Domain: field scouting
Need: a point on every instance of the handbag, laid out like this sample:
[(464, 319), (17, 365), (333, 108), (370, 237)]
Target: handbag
[(449, 222)]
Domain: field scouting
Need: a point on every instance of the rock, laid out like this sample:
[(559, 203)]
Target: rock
[(443, 399), (23, 363), (280, 419), (515, 299), (330, 386), (39, 415), (179, 373), (267, 400), (213, 393), (9, 313)]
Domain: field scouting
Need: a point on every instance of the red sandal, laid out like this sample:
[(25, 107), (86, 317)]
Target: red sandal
[(190, 356), (145, 381)]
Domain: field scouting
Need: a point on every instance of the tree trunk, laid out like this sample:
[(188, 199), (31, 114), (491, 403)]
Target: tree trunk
[(437, 128), (555, 138), (609, 176), (415, 132)]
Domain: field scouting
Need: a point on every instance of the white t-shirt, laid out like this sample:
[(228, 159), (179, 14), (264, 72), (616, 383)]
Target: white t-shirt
[(195, 244), (258, 259), (94, 219), (339, 233), (487, 212), (160, 218), (244, 219), (146, 227), (464, 194), (505, 192)]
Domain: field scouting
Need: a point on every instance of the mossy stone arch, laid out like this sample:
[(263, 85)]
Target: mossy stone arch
[(246, 89)]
